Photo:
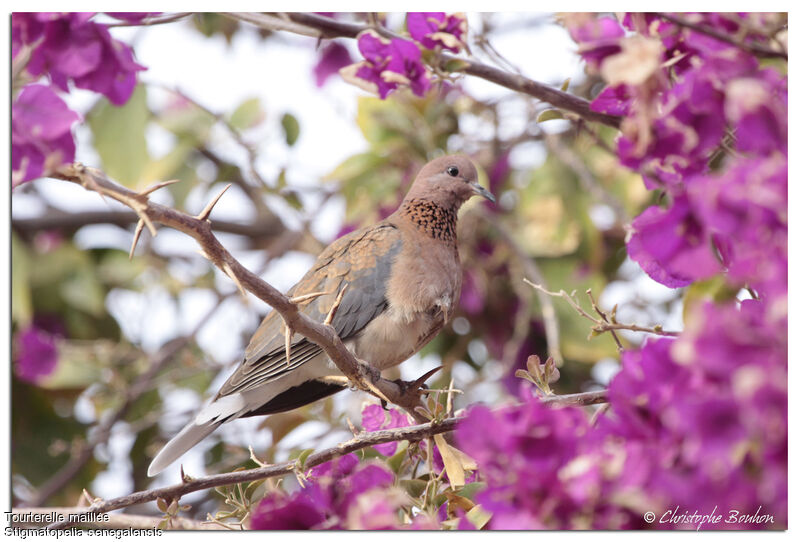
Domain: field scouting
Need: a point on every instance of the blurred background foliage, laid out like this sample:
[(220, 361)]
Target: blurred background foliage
[(112, 396)]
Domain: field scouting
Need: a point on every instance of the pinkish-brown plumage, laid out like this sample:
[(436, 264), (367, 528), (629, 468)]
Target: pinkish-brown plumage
[(403, 279)]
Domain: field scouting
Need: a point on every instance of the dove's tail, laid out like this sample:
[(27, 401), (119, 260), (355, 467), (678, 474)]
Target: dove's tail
[(221, 410), (180, 444)]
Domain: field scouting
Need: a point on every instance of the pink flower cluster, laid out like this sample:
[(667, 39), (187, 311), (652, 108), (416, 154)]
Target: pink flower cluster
[(700, 421), (64, 48), (341, 494), (390, 63)]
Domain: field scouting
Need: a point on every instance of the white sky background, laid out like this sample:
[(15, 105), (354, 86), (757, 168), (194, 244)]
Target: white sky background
[(221, 76)]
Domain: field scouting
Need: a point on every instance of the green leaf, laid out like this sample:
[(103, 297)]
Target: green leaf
[(119, 136), (303, 456), (21, 301), (83, 291), (550, 114), (78, 366), (291, 128), (413, 487), (470, 490), (713, 289), (115, 269), (355, 166), (396, 461), (247, 115), (565, 84), (252, 487), (456, 65)]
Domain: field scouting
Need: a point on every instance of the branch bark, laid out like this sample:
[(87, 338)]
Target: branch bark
[(270, 228), (325, 27), (414, 433)]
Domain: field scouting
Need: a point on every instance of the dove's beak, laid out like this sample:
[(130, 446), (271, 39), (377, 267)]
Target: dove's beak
[(481, 191)]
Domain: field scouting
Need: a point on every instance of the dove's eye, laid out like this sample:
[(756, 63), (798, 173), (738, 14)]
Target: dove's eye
[(452, 171)]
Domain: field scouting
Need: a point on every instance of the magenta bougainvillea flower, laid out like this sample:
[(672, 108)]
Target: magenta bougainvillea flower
[(340, 494), (598, 37), (75, 48), (333, 57), (375, 418), (64, 47), (437, 29), (35, 349), (699, 420), (388, 64), (41, 137), (672, 245), (614, 100)]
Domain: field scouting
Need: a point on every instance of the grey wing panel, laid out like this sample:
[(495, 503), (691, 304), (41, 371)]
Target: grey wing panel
[(365, 269)]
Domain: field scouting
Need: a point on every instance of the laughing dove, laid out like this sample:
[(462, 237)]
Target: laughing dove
[(403, 282)]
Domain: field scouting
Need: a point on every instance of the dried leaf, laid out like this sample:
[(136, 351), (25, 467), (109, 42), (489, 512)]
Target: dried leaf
[(452, 464)]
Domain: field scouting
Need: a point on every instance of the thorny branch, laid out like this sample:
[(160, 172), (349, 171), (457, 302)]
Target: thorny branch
[(199, 228), (414, 433), (606, 322)]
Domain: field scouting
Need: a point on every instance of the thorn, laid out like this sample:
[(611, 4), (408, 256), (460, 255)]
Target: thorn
[(307, 297), (136, 234), (352, 427), (152, 188), (185, 478), (449, 406), (228, 271), (256, 460), (146, 219), (335, 306), (288, 334), (207, 211)]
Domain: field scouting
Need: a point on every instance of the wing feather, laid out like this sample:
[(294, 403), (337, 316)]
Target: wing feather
[(362, 261)]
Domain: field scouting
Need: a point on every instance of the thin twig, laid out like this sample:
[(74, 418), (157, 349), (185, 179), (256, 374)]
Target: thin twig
[(604, 318), (601, 325)]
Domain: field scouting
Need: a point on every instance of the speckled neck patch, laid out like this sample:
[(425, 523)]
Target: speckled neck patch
[(435, 220)]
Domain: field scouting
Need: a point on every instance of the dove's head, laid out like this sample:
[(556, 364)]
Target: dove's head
[(448, 181)]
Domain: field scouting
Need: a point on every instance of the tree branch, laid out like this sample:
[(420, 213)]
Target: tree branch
[(360, 374), (263, 229), (755, 49), (414, 433), (326, 27)]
